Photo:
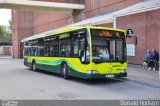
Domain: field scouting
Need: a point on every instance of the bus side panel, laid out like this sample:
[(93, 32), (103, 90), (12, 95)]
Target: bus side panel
[(77, 69), (48, 64), (53, 64), (55, 68), (27, 63), (77, 74), (49, 68)]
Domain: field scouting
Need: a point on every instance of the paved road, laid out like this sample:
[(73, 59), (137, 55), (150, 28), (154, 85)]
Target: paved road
[(19, 82)]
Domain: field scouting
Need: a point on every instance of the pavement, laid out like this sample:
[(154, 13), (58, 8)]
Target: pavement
[(5, 57), (18, 82), (136, 73)]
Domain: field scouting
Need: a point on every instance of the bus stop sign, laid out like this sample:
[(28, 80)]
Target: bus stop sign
[(130, 33)]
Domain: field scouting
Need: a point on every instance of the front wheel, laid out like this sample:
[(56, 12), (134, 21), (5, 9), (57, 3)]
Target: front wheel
[(64, 70)]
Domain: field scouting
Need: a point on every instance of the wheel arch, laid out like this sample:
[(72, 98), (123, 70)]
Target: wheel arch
[(33, 60), (63, 62)]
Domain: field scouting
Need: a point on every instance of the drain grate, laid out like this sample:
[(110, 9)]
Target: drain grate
[(67, 95)]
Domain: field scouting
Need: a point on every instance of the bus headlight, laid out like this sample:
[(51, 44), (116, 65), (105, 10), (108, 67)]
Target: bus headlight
[(92, 72), (123, 71)]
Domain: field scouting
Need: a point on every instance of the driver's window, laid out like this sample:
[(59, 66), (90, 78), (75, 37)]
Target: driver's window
[(80, 48), (112, 49)]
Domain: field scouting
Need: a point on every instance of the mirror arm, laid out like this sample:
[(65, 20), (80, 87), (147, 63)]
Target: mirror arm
[(135, 38)]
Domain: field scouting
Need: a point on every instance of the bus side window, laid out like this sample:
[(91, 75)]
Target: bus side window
[(81, 55), (65, 48), (78, 44), (54, 48), (33, 52), (26, 49), (75, 47), (63, 51), (40, 51), (46, 49)]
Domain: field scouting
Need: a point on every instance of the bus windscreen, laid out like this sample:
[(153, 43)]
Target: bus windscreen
[(108, 46)]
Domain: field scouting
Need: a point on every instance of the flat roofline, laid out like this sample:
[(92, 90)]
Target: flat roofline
[(40, 5)]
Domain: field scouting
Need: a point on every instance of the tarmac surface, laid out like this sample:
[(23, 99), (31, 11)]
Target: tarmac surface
[(18, 82)]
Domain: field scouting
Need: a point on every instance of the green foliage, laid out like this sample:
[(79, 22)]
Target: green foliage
[(1, 33), (10, 23), (5, 37)]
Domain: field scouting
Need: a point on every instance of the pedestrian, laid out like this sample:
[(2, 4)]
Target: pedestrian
[(146, 60), (149, 60), (154, 59)]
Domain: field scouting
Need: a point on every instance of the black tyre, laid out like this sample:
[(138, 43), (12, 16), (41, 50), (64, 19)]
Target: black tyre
[(34, 66), (64, 70)]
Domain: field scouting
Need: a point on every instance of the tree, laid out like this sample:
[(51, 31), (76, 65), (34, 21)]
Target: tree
[(5, 37), (10, 23), (1, 34)]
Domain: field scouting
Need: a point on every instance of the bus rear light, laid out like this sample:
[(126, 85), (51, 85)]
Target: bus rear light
[(92, 72)]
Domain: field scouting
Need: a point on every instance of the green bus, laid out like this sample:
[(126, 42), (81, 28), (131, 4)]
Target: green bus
[(83, 52)]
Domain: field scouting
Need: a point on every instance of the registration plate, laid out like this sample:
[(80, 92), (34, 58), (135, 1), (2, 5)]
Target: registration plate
[(109, 76)]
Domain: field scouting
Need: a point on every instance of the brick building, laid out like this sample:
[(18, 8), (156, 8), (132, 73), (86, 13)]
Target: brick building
[(5, 50), (146, 25)]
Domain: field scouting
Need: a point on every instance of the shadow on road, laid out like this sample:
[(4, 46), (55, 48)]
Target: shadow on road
[(97, 81), (84, 81)]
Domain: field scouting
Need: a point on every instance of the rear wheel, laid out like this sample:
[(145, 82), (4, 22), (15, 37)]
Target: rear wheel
[(34, 66), (64, 70)]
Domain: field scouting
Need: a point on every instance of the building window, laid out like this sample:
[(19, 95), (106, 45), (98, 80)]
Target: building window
[(130, 49)]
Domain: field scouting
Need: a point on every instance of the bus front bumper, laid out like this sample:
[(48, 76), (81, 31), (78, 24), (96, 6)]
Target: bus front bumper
[(103, 76), (97, 76)]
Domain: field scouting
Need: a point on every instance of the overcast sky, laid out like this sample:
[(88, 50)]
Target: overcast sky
[(5, 15)]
